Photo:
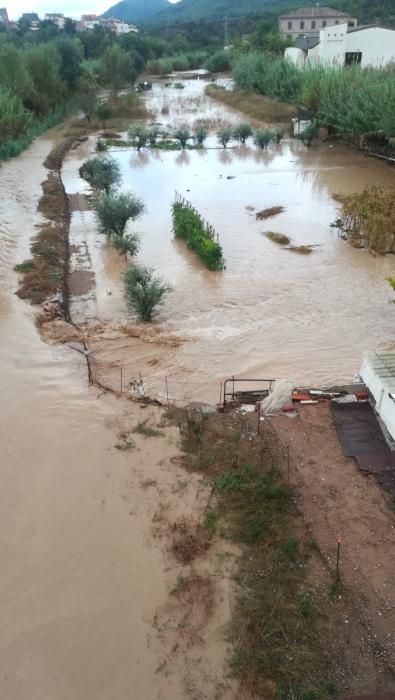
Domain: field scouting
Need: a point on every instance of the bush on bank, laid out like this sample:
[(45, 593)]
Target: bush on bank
[(354, 101)]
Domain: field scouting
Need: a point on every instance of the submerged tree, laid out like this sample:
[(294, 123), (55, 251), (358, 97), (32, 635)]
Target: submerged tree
[(153, 135), (242, 132), (309, 133), (143, 291), (224, 136), (182, 135), (200, 134), (139, 134), (263, 137), (128, 244), (103, 113), (115, 210), (101, 173)]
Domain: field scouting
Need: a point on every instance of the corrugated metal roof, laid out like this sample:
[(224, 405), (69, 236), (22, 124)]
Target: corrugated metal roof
[(383, 364), (313, 12)]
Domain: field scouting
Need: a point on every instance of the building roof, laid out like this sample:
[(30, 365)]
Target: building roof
[(306, 42), (31, 16), (308, 12), (368, 26)]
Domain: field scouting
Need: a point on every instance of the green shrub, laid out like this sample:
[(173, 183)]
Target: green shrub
[(262, 138), (242, 132), (153, 135), (219, 62), (126, 244), (200, 134), (103, 113), (182, 135), (138, 134), (143, 291), (188, 224), (225, 135), (309, 133), (101, 173), (115, 209), (101, 146)]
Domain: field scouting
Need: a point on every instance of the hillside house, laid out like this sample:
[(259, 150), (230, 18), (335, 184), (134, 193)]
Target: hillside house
[(309, 21)]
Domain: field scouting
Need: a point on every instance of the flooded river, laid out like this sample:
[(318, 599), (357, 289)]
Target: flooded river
[(80, 576), (272, 312)]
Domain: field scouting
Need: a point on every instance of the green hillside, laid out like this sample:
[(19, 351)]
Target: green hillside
[(136, 11), (143, 11)]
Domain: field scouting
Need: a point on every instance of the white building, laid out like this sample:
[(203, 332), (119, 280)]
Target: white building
[(369, 46), (308, 21), (117, 26), (56, 18), (378, 373)]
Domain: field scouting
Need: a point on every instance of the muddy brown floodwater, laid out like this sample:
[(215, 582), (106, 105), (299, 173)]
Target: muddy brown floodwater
[(84, 584), (83, 580), (271, 313)]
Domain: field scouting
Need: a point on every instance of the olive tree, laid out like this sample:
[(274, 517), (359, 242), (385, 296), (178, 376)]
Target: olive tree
[(200, 134), (262, 138), (115, 210), (101, 174), (143, 291), (242, 132), (182, 135), (139, 134), (224, 136)]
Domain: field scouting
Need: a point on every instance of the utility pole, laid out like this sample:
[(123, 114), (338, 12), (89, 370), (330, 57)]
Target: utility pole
[(226, 38)]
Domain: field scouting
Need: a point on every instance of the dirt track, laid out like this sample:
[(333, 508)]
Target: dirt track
[(338, 501)]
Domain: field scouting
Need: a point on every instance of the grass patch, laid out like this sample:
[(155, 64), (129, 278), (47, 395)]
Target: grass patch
[(124, 109), (280, 626), (265, 109), (268, 213), (26, 266), (144, 429), (279, 238)]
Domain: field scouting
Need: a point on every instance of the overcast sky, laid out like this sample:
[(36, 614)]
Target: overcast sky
[(71, 8)]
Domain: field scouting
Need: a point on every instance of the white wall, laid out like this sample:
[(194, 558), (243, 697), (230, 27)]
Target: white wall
[(380, 388), (376, 44), (296, 56)]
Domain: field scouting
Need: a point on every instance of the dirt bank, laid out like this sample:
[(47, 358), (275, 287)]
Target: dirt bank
[(262, 109), (45, 274)]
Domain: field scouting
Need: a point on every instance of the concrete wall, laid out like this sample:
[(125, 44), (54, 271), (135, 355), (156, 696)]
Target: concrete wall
[(380, 387), (376, 44), (296, 56)]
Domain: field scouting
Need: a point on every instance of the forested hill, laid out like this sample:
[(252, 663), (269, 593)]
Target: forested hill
[(141, 11), (137, 11)]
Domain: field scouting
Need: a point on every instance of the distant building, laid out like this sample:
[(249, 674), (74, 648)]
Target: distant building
[(341, 45), (33, 19), (117, 26), (55, 17), (310, 20), (4, 17)]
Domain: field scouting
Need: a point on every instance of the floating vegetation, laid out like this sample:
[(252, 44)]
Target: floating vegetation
[(279, 238), (267, 213)]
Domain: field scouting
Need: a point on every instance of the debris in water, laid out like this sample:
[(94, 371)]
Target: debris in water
[(267, 213), (279, 238), (301, 249)]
